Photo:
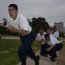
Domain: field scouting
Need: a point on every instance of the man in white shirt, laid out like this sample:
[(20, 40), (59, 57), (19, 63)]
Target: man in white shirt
[(40, 36), (18, 23), (55, 32)]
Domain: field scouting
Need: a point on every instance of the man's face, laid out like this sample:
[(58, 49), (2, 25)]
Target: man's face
[(12, 12), (48, 31), (41, 32), (47, 39)]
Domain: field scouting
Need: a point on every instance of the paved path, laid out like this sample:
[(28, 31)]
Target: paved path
[(42, 61), (4, 52), (16, 37), (10, 37)]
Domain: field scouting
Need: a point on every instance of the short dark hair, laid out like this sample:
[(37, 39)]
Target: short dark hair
[(46, 35), (14, 5)]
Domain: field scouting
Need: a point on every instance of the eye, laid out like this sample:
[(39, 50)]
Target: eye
[(11, 9)]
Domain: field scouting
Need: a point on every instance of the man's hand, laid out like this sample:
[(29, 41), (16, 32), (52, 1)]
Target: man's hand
[(48, 49), (11, 28)]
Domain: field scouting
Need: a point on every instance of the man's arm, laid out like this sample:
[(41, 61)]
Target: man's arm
[(48, 49), (20, 31)]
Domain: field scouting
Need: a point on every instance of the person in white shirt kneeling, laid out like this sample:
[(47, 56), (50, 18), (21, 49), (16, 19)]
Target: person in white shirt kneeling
[(51, 46)]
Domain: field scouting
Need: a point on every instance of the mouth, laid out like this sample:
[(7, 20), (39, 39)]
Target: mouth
[(11, 16)]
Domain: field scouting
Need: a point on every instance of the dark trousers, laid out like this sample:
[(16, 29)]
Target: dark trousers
[(25, 48), (52, 52)]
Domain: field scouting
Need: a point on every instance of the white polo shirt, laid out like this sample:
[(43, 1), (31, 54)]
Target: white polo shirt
[(56, 34), (20, 22), (40, 37), (53, 40)]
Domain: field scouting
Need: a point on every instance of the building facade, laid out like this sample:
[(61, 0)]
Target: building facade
[(60, 26)]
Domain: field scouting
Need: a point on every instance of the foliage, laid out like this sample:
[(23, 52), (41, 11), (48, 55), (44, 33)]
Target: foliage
[(6, 31), (39, 23)]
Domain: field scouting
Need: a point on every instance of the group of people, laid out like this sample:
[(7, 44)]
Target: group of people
[(50, 42), (18, 23)]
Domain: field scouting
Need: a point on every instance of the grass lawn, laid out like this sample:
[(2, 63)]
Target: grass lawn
[(9, 54), (8, 51), (11, 47)]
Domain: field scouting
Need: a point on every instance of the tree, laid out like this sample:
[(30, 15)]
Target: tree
[(39, 23)]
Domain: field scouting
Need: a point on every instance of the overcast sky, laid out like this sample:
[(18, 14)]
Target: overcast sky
[(52, 10)]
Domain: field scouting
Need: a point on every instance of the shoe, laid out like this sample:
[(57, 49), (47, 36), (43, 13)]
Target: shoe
[(37, 60), (45, 55), (52, 59)]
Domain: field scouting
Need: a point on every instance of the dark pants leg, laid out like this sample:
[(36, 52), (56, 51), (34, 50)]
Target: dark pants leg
[(52, 53), (57, 47), (43, 51), (26, 47), (30, 53)]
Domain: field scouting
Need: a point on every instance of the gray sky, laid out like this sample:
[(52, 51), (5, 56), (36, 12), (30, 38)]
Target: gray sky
[(52, 10)]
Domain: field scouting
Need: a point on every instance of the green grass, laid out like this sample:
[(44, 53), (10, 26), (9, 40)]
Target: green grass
[(11, 58), (8, 44)]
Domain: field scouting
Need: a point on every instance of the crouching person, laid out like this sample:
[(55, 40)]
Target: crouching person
[(50, 47)]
